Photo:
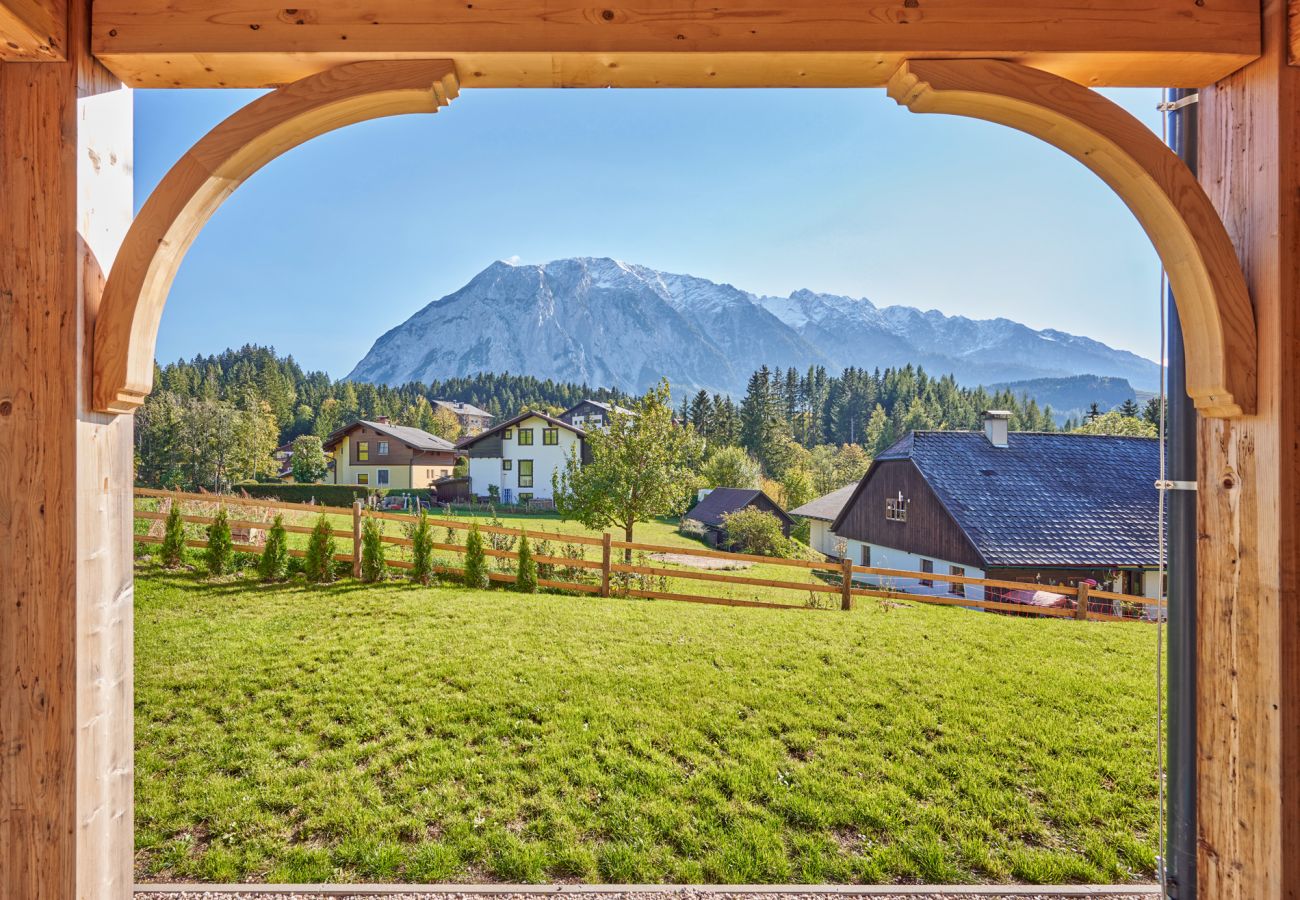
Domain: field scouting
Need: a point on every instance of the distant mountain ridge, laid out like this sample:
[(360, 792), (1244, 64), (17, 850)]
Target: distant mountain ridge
[(1070, 397), (607, 322)]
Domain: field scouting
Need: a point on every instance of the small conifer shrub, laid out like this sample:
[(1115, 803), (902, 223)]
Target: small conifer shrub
[(321, 547), (374, 566), (526, 577), (476, 568), (220, 545), (274, 563), (173, 545)]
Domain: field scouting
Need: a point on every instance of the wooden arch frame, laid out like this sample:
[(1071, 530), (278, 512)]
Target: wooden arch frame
[(1158, 188), (126, 325)]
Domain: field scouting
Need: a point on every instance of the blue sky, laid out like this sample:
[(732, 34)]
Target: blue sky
[(842, 191)]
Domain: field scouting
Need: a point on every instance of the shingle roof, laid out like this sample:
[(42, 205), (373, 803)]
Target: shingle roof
[(720, 501), (415, 437), (1045, 499), (462, 409), (827, 506)]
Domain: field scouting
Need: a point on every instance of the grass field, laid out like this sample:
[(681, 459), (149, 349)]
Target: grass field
[(296, 734)]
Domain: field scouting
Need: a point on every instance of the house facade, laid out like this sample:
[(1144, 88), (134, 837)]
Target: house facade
[(715, 505), (384, 456), (820, 513), (472, 419), (590, 414), (1054, 509), (520, 456)]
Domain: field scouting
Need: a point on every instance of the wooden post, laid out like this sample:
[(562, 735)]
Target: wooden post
[(605, 565), (1081, 607), (846, 591), (356, 538)]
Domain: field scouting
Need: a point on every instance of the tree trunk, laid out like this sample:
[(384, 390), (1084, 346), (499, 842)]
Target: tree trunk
[(627, 536)]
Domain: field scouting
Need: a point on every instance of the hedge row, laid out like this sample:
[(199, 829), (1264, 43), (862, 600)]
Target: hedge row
[(325, 494)]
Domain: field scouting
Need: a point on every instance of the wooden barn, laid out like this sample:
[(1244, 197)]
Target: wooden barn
[(712, 509)]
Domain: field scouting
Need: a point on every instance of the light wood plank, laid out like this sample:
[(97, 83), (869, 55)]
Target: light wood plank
[(33, 30), (668, 43)]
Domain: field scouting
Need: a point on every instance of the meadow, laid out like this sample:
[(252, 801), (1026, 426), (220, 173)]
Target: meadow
[(392, 732)]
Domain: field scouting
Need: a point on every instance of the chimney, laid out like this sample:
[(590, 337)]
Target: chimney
[(996, 422), (383, 420)]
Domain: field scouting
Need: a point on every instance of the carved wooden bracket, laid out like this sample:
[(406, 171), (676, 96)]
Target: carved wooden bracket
[(1213, 302), (126, 326)]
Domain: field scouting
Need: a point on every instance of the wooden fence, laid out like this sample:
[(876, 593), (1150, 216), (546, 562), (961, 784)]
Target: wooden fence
[(612, 576)]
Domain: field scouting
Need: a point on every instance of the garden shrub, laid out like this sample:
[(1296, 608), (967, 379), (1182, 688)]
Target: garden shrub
[(220, 545), (321, 547), (476, 569), (173, 545), (757, 532), (421, 537), (374, 567), (274, 564), (526, 576), (545, 571), (324, 494)]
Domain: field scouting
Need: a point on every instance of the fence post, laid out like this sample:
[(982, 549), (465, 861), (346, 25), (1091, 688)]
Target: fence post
[(1081, 610), (604, 565), (356, 538), (846, 577)]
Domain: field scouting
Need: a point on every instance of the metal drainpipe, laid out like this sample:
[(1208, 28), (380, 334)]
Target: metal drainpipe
[(1180, 862)]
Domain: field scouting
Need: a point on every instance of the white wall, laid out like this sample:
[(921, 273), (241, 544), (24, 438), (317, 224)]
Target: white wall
[(889, 558), (484, 472), (820, 537)]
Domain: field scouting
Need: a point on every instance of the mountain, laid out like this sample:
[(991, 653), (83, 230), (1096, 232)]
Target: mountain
[(1071, 397), (607, 322)]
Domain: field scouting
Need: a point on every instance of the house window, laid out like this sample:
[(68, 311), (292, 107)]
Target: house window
[(506, 464), (525, 496), (363, 478), (381, 477), (550, 436), (363, 451), (510, 432), (866, 554), (927, 568), (525, 437), (957, 587), (525, 472), (896, 508), (383, 448)]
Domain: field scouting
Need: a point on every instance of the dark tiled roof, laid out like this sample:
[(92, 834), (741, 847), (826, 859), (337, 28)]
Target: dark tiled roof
[(720, 501), (414, 437), (1045, 499), (466, 442), (462, 409), (827, 506)]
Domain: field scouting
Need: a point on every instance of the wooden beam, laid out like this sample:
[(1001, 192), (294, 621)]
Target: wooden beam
[(65, 476), (1157, 187), (1248, 605), (670, 43), (33, 30), (208, 173)]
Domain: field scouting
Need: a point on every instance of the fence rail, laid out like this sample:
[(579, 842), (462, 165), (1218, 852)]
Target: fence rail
[(1080, 602)]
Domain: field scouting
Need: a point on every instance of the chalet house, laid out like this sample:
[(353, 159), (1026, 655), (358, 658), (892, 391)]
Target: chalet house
[(589, 414), (720, 502), (381, 455), (821, 513), (521, 455), (472, 419), (1033, 507)]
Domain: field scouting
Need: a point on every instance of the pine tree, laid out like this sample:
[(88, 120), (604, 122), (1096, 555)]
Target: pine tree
[(374, 567), (321, 547), (421, 535), (220, 545), (274, 563), (173, 545), (1129, 408), (476, 568), (526, 577)]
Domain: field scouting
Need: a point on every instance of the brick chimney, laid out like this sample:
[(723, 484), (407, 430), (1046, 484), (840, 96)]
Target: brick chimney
[(382, 420), (996, 422)]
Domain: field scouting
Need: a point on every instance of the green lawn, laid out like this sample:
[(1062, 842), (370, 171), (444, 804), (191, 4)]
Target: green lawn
[(397, 733)]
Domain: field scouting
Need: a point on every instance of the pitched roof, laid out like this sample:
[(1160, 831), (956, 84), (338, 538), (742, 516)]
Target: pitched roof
[(412, 437), (1044, 499), (466, 442), (721, 501), (462, 409), (827, 506), (607, 407)]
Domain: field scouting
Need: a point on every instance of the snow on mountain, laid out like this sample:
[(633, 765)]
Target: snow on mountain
[(612, 323)]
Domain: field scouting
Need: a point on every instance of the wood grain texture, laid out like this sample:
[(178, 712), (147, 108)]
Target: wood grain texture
[(33, 30), (1159, 190), (1248, 641), (178, 208), (669, 43), (65, 552)]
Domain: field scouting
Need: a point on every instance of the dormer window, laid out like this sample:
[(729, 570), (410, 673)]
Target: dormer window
[(896, 508)]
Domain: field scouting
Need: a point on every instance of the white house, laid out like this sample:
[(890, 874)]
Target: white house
[(520, 456)]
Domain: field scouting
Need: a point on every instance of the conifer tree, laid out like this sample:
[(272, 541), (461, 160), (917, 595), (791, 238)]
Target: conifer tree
[(421, 534), (220, 545), (526, 577), (274, 563), (476, 568), (374, 566), (321, 547), (173, 545)]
